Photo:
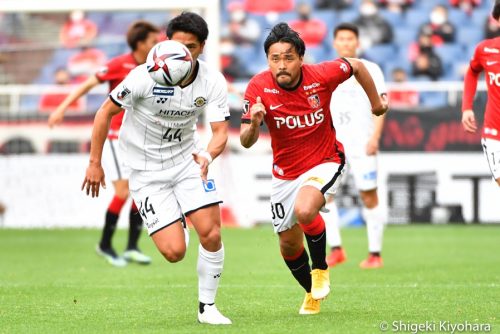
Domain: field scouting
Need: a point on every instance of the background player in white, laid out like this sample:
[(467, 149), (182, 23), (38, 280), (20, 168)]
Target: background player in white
[(169, 177), (486, 58), (359, 131)]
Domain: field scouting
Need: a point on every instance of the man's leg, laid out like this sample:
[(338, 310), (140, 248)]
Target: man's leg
[(333, 239), (307, 205), (374, 219), (297, 260), (105, 247), (207, 224), (132, 253)]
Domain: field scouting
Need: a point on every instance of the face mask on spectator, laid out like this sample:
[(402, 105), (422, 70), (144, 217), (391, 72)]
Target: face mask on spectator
[(238, 16), (368, 10), (437, 18)]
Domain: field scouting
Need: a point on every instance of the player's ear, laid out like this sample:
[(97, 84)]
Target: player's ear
[(202, 46)]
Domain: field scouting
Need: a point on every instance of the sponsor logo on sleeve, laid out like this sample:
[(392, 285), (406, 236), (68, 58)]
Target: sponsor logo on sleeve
[(344, 67), (163, 91), (491, 50), (124, 93)]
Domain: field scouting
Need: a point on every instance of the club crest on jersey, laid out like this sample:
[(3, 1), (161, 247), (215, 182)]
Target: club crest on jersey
[(314, 101), (200, 101), (246, 106), (163, 91), (121, 95)]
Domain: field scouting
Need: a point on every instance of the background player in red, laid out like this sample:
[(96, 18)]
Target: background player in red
[(293, 99), (141, 37), (486, 58)]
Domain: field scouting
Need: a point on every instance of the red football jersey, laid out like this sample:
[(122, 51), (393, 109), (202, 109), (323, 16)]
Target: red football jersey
[(487, 58), (114, 72), (299, 120)]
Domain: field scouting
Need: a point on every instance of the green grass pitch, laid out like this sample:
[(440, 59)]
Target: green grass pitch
[(51, 281)]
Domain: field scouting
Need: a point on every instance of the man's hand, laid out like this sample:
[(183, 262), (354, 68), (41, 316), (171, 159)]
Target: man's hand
[(56, 117), (380, 109), (372, 146), (257, 112), (94, 177), (469, 121), (203, 160)]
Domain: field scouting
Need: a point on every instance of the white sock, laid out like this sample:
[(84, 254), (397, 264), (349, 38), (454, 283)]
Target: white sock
[(209, 271), (332, 225), (375, 228)]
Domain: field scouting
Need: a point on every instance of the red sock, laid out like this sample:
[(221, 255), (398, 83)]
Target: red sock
[(116, 205), (317, 226)]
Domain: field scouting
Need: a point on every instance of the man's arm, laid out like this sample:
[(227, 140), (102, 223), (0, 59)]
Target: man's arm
[(378, 121), (57, 116), (215, 147), (249, 133), (470, 87), (364, 78), (94, 177)]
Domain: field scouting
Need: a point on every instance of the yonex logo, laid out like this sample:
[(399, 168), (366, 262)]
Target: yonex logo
[(162, 100), (209, 185)]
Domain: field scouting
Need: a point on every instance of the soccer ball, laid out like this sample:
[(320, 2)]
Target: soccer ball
[(169, 63)]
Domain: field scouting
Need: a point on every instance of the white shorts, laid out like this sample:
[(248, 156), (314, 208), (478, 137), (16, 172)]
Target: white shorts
[(491, 148), (364, 171), (163, 196), (324, 177), (113, 163)]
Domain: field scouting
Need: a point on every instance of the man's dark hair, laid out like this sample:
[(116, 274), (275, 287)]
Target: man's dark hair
[(138, 32), (188, 22), (346, 26), (283, 33), (496, 10)]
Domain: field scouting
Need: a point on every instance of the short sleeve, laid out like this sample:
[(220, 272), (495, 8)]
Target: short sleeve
[(130, 89), (475, 62), (249, 100), (336, 71), (217, 109)]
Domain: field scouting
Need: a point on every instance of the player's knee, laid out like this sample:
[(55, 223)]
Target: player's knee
[(304, 215), (173, 255), (122, 193), (369, 198), (289, 247), (211, 240)]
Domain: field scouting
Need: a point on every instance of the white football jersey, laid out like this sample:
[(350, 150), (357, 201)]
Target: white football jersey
[(351, 110), (159, 124)]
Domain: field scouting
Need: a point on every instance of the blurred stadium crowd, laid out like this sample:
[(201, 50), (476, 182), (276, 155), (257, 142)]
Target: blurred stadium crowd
[(412, 40)]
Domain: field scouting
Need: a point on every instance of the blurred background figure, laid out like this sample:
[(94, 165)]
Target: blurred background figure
[(86, 62), (312, 31), (465, 5), (268, 6), (232, 68), (439, 26), (425, 61), (51, 100), (243, 30), (373, 28), (402, 97), (333, 4), (2, 212), (77, 30), (395, 6)]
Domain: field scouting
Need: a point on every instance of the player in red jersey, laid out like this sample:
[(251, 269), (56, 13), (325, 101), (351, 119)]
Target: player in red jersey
[(141, 37), (486, 58), (293, 99)]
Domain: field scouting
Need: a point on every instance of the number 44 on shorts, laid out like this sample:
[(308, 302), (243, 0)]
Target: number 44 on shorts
[(146, 207)]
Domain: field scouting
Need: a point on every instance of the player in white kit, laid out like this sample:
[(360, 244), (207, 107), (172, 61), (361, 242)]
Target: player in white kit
[(359, 131), (169, 174)]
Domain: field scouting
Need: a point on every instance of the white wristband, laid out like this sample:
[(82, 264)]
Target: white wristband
[(206, 155)]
